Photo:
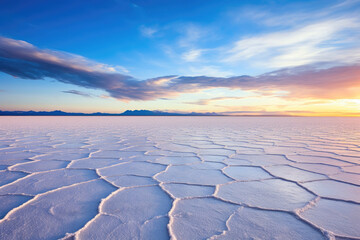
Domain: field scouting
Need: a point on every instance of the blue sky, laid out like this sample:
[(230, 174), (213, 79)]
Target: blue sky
[(152, 39)]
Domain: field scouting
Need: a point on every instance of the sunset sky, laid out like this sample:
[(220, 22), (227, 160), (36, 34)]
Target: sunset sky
[(233, 57)]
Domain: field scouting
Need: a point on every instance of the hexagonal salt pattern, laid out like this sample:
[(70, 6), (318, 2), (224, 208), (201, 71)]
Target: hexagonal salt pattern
[(179, 178)]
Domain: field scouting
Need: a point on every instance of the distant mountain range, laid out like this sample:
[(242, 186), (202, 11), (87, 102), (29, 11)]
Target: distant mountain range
[(126, 113)]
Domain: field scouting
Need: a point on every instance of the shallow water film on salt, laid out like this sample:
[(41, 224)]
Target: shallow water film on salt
[(179, 178)]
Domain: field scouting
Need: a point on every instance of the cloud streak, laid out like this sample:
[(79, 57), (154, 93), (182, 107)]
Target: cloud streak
[(76, 92), (148, 31), (22, 59), (315, 42), (209, 100)]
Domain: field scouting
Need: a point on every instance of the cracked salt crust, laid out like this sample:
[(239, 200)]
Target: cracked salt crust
[(179, 178)]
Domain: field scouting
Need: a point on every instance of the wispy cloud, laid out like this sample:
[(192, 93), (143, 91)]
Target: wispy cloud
[(317, 42), (261, 40), (259, 113), (288, 36), (191, 34), (192, 55), (24, 60), (76, 92), (148, 31), (210, 100), (208, 70)]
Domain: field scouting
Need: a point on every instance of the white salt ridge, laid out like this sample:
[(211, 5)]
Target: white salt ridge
[(135, 168), (177, 160), (8, 202), (178, 190), (39, 166), (209, 165), (93, 163), (44, 181), (169, 153), (15, 156), (216, 151), (116, 154), (11, 149), (211, 158), (315, 159), (262, 160), (188, 178), (318, 168), (130, 180), (64, 156)]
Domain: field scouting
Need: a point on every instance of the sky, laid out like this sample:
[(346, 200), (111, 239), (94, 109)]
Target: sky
[(231, 57)]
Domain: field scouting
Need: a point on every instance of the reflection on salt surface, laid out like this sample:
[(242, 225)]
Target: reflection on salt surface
[(180, 177)]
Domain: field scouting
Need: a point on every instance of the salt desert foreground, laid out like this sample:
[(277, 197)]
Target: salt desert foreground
[(179, 177)]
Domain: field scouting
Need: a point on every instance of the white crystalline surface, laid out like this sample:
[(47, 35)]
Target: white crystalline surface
[(179, 178)]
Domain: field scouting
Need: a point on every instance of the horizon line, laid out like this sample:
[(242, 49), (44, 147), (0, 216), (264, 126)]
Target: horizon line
[(150, 113)]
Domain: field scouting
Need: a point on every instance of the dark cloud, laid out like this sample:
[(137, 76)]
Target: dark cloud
[(21, 59), (24, 60), (76, 92)]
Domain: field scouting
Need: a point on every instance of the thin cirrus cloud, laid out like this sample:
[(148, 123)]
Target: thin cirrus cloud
[(148, 31), (79, 93), (22, 59), (328, 40), (192, 55), (210, 100)]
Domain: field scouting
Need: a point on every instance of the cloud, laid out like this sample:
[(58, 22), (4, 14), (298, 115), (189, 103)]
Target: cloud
[(21, 59), (291, 14), (209, 100), (260, 113), (119, 69), (253, 37), (312, 81), (192, 55), (345, 4), (208, 71), (148, 31), (191, 34), (76, 92), (328, 40)]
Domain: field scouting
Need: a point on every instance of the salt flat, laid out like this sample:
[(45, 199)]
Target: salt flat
[(179, 178)]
